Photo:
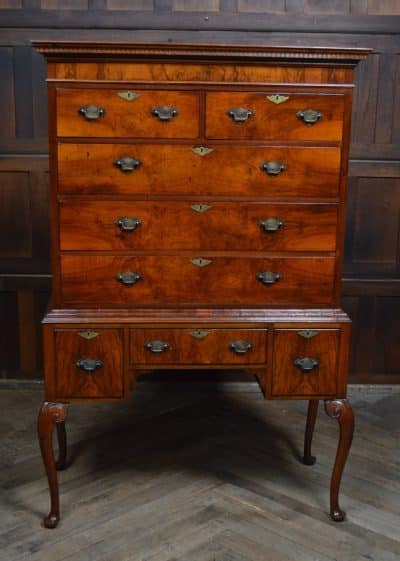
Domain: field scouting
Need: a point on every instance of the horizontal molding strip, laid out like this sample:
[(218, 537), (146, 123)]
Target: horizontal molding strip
[(224, 21)]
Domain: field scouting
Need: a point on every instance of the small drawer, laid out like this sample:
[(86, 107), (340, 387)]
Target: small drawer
[(127, 113), (306, 362), (197, 346), (199, 279), (192, 225), (176, 170), (256, 115), (89, 363)]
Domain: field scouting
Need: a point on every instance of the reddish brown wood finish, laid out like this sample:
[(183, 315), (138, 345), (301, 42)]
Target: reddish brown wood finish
[(198, 346), (173, 169), (341, 410), (173, 280), (189, 72), (73, 382), (88, 189), (287, 379), (127, 118), (271, 121), (308, 458), (175, 225), (50, 414)]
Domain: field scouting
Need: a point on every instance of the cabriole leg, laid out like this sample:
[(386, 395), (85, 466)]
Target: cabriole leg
[(308, 458), (62, 445), (340, 409), (51, 414)]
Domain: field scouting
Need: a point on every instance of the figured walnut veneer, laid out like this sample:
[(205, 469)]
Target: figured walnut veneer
[(197, 202)]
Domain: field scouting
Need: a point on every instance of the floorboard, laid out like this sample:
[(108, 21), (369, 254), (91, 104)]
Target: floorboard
[(186, 474)]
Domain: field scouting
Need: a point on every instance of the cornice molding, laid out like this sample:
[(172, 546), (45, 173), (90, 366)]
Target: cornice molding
[(67, 49)]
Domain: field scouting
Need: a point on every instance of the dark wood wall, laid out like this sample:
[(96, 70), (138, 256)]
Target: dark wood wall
[(371, 284)]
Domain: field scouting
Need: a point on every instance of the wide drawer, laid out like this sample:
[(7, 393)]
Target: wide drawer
[(306, 362), (198, 346), (89, 363), (252, 115), (141, 113), (178, 169), (170, 280), (182, 225)]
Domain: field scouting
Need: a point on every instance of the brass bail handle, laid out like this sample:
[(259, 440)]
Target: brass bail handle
[(306, 364), (91, 112), (89, 365)]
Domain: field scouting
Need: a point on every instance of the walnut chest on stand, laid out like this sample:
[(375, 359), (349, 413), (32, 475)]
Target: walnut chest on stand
[(197, 206)]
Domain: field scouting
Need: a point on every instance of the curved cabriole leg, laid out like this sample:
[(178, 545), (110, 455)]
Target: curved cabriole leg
[(308, 458), (62, 445), (341, 410), (51, 413)]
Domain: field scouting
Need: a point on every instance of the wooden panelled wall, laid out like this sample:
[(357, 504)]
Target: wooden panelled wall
[(371, 283)]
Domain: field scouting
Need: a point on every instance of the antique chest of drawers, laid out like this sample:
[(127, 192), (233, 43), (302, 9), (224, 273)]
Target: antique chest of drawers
[(197, 222)]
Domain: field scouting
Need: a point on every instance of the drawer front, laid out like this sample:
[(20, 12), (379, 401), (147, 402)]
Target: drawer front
[(165, 225), (304, 365), (177, 170), (198, 346), (172, 280), (89, 363), (104, 113), (316, 117)]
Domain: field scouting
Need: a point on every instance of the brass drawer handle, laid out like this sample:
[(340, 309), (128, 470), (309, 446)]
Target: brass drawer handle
[(239, 114), (128, 278), (89, 365), (268, 277), (157, 346), (127, 164), (128, 224), (91, 112), (309, 116), (306, 364), (240, 347), (273, 168), (164, 113), (271, 225)]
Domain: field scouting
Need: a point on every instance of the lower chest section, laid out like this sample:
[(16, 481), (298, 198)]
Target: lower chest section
[(296, 359)]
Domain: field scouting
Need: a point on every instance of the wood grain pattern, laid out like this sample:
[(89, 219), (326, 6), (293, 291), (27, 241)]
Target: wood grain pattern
[(221, 494), (127, 118), (288, 379), (184, 348), (272, 121), (175, 225), (173, 169), (184, 71), (71, 382), (173, 280)]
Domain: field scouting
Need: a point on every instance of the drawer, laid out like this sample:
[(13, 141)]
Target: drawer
[(304, 365), (198, 346), (104, 113), (177, 170), (89, 363), (251, 115), (190, 225), (170, 280)]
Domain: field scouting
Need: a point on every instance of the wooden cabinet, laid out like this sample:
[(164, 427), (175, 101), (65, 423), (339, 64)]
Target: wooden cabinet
[(198, 213)]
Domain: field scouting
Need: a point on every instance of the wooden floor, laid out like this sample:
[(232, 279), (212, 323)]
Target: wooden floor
[(189, 474)]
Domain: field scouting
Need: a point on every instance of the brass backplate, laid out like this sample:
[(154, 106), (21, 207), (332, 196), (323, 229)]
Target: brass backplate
[(200, 207), (201, 262), (307, 333), (202, 150), (277, 99), (128, 96), (87, 334), (199, 334)]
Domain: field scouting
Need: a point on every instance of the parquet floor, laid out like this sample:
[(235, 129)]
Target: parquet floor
[(187, 474)]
